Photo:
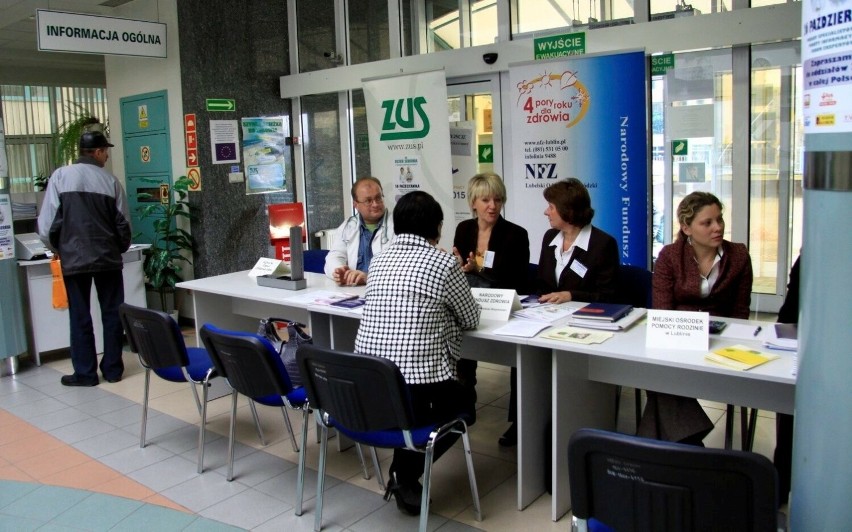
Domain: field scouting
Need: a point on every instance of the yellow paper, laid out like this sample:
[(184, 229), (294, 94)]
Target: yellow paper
[(739, 357)]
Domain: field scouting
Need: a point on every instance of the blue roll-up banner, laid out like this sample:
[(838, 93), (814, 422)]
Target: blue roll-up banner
[(583, 117)]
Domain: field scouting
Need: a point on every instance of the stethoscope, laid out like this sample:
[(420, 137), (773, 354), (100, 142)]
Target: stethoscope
[(352, 227)]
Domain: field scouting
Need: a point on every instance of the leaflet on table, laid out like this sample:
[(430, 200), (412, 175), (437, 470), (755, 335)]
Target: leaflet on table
[(547, 312), (521, 328), (619, 325), (738, 357), (322, 297), (577, 336)]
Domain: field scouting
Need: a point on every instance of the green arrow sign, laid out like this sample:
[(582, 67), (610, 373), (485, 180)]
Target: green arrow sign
[(221, 104)]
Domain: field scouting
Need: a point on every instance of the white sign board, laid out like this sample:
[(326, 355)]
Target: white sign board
[(678, 329), (59, 31), (496, 303)]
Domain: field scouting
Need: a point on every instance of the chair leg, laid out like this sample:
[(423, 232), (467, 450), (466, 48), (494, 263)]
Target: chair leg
[(202, 431), (729, 427), (321, 477), (300, 477), (617, 405), (752, 428), (378, 468), (427, 485), (257, 422), (144, 409), (364, 472), (231, 434), (471, 475), (289, 430), (638, 407)]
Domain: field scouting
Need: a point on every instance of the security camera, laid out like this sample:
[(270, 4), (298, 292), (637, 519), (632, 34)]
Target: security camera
[(490, 58)]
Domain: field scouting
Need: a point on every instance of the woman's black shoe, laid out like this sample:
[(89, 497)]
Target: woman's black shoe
[(510, 437), (408, 495)]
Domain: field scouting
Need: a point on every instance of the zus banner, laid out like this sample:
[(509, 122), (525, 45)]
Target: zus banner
[(583, 117), (410, 139)]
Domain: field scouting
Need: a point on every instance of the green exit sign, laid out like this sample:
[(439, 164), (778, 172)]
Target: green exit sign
[(221, 104), (661, 63), (559, 45)]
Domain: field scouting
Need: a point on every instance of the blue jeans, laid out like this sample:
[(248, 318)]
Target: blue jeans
[(110, 289)]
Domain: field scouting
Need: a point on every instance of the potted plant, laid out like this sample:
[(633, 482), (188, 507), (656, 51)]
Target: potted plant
[(171, 246), (67, 136)]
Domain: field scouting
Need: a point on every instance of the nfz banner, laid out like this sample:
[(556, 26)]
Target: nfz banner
[(407, 121), (583, 117)]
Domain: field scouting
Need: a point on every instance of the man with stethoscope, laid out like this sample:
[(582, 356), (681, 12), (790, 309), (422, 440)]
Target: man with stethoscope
[(363, 235)]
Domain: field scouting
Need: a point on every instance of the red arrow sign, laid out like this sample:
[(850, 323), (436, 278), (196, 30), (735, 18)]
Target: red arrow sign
[(192, 157)]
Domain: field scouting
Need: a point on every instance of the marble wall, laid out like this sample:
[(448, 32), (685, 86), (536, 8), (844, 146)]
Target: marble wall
[(232, 50)]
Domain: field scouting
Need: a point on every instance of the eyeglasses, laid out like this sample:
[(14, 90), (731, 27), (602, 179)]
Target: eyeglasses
[(378, 200)]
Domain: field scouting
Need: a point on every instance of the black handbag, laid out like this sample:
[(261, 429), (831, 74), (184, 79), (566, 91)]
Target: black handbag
[(296, 335)]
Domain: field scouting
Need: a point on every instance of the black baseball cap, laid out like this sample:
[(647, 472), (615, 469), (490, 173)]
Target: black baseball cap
[(94, 139)]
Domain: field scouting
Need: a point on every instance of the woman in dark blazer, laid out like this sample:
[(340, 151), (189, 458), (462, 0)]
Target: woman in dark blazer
[(488, 245), (699, 272), (578, 262), (495, 253)]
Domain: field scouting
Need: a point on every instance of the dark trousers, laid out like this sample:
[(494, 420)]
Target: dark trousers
[(783, 458), (432, 403), (110, 290)]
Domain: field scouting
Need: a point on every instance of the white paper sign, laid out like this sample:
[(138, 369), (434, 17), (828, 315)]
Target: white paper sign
[(224, 139), (497, 303), (678, 329), (267, 266)]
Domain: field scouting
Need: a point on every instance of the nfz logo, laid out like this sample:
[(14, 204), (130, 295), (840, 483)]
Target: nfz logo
[(541, 171), (399, 119)]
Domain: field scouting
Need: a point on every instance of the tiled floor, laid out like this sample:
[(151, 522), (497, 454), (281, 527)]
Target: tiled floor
[(70, 460)]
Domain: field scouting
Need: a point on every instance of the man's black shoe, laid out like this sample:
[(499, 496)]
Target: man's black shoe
[(74, 380), (113, 379)]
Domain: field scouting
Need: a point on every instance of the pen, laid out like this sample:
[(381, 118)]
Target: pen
[(757, 331)]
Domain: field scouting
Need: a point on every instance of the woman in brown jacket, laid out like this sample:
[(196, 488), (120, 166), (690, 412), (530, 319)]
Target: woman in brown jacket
[(699, 272)]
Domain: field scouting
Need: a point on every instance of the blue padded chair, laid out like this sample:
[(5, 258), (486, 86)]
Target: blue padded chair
[(156, 338), (626, 483), (254, 369), (366, 399), (315, 260), (633, 287)]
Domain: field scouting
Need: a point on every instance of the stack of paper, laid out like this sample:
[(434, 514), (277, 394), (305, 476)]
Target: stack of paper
[(784, 339), (618, 325), (521, 328), (738, 357)]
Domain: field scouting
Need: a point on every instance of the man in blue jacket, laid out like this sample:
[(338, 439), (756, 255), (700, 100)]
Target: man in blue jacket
[(85, 219)]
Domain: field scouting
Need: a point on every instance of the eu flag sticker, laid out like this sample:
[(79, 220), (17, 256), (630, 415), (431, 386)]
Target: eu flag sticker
[(225, 152)]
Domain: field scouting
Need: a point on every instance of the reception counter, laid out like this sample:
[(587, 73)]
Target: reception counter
[(48, 328)]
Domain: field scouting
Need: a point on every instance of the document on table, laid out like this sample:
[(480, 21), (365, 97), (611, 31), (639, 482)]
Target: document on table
[(577, 336), (635, 315), (522, 328), (322, 297), (746, 331), (739, 357), (547, 313)]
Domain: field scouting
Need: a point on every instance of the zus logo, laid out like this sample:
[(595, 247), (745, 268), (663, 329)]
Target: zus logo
[(541, 171), (400, 119)]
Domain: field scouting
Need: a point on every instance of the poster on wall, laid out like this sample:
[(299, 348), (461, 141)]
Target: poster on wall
[(463, 150), (410, 139), (583, 117), (263, 152), (826, 63), (224, 139)]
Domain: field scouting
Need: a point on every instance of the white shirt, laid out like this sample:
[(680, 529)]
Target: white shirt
[(343, 250), (563, 258), (708, 282)]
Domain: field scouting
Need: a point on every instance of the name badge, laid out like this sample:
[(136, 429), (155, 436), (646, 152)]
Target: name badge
[(489, 259), (578, 268)]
